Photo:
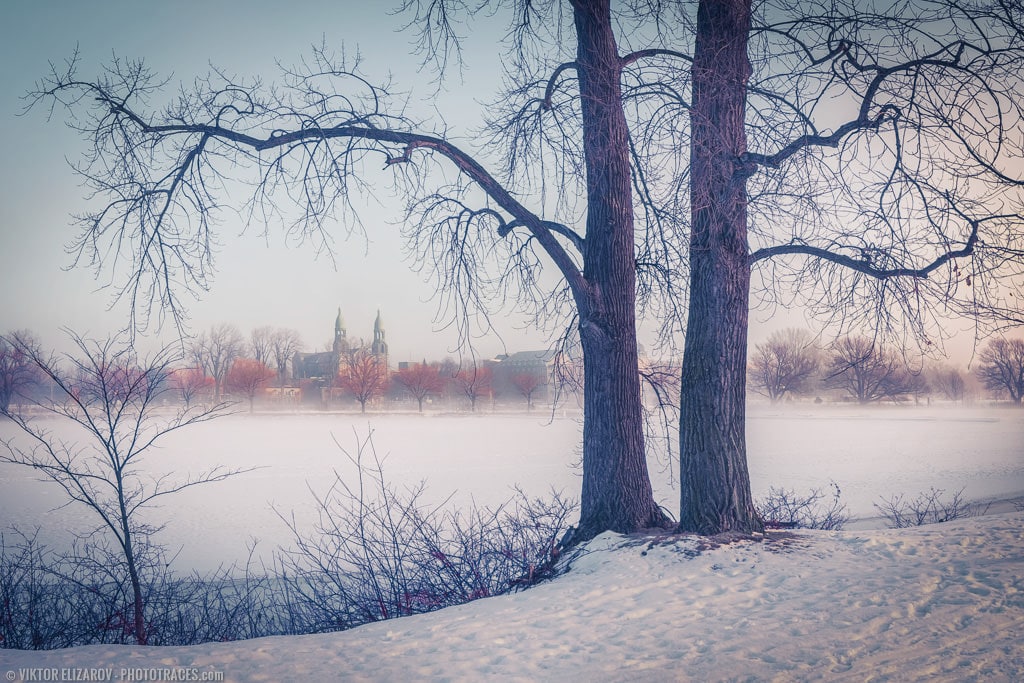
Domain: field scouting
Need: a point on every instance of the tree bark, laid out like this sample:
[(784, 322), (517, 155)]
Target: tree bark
[(617, 493), (138, 605), (715, 484)]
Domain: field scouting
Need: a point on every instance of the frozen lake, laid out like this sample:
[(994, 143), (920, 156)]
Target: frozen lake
[(869, 452)]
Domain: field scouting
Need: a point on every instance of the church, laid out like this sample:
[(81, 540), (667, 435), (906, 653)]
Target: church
[(324, 366)]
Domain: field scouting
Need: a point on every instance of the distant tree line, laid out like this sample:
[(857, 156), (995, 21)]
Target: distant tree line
[(791, 364), (221, 361)]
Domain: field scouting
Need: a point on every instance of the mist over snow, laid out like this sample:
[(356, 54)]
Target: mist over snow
[(870, 453)]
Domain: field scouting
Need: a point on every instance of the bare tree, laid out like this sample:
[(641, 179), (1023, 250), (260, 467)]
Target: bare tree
[(113, 395), (315, 137), (284, 344), (189, 383), (868, 372), (528, 384), (261, 345), (248, 376), (17, 371), (1001, 367), (363, 375), (785, 364), (475, 382), (948, 381), (215, 351), (856, 159), (420, 381), (862, 159)]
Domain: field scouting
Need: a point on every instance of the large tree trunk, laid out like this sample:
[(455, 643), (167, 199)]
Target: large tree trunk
[(715, 484), (617, 492)]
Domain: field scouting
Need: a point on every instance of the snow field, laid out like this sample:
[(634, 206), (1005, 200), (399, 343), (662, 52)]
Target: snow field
[(938, 603), (871, 453)]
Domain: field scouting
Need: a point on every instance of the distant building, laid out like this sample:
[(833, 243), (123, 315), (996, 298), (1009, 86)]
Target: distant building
[(379, 347), (540, 364), (323, 366)]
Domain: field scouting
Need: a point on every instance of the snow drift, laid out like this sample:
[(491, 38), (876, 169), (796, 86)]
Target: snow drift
[(941, 602)]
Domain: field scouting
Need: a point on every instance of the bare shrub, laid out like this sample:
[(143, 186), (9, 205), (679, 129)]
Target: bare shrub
[(928, 508), (54, 600), (115, 396), (785, 508), (225, 605), (378, 552), (32, 614)]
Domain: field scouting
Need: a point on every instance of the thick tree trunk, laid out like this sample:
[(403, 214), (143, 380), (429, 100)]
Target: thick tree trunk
[(715, 484), (617, 492)]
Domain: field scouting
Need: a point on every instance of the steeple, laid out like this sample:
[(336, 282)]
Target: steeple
[(379, 346), (340, 343)]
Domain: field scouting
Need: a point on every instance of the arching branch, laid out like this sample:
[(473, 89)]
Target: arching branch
[(750, 160), (188, 142), (864, 265), (633, 57), (549, 90)]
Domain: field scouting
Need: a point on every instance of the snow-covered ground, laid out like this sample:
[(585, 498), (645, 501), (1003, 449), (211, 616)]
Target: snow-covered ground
[(870, 453), (943, 602), (937, 603)]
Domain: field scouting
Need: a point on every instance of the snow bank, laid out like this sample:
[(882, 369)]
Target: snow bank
[(943, 602)]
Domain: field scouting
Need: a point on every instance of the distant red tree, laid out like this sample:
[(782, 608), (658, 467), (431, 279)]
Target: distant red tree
[(247, 376), (190, 383), (527, 384), (420, 381), (363, 375), (474, 383)]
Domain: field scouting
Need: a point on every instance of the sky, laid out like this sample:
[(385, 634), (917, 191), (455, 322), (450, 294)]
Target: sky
[(258, 281)]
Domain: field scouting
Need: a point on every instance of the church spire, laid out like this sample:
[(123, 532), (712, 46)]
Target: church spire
[(340, 343), (379, 347)]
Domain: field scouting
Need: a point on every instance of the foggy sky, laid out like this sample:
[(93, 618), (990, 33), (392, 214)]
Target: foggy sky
[(258, 282)]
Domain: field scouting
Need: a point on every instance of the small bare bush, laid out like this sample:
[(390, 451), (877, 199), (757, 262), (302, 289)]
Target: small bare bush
[(378, 552), (81, 596), (33, 614), (785, 508), (65, 599), (927, 508)]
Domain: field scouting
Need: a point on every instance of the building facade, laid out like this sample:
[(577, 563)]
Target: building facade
[(323, 366)]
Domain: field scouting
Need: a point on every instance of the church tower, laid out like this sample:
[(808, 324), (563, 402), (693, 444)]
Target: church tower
[(340, 342), (379, 347)]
